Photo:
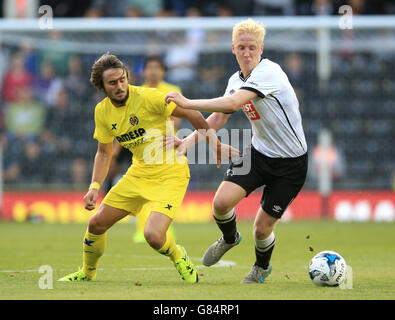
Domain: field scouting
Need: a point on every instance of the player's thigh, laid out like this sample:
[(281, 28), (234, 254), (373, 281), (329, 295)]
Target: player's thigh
[(240, 182), (166, 195), (228, 195), (105, 217), (126, 195), (278, 195)]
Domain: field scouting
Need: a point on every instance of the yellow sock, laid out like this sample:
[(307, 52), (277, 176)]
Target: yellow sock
[(170, 248), (142, 218), (93, 248)]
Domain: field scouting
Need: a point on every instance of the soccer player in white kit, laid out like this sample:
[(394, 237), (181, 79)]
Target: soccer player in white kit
[(278, 154)]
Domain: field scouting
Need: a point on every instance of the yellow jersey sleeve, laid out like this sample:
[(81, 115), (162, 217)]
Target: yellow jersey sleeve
[(102, 133), (157, 104)]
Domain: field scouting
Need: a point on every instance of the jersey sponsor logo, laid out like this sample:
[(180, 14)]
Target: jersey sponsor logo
[(132, 135), (250, 111), (134, 121)]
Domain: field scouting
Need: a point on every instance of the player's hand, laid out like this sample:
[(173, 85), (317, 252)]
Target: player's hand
[(178, 99), (90, 199), (225, 152), (171, 142), (181, 149)]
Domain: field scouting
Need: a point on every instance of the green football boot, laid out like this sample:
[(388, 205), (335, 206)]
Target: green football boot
[(77, 276), (186, 268)]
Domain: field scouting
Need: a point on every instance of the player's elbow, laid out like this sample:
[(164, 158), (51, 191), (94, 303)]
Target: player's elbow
[(231, 105), (104, 151)]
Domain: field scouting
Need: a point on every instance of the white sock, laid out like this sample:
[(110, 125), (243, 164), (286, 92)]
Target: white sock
[(226, 217), (265, 244)]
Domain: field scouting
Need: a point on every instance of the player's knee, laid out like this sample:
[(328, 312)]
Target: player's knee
[(95, 226), (262, 232), (221, 206), (154, 238), (263, 229)]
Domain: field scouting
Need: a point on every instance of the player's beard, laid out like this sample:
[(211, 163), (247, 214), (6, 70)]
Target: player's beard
[(120, 101)]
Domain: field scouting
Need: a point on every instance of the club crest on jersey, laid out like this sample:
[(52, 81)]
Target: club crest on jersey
[(134, 121)]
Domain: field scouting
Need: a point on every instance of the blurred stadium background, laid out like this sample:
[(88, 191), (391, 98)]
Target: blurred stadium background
[(341, 67)]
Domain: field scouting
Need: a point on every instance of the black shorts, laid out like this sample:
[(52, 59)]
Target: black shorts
[(282, 178)]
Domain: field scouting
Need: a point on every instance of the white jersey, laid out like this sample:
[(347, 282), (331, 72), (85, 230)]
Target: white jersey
[(276, 122)]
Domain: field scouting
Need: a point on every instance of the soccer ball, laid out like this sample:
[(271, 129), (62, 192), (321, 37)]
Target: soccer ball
[(327, 268)]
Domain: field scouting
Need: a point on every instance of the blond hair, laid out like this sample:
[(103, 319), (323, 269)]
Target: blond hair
[(249, 26)]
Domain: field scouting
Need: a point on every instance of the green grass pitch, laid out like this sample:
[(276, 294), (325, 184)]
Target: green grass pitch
[(135, 271)]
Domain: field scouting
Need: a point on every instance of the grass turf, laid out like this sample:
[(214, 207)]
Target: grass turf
[(135, 271)]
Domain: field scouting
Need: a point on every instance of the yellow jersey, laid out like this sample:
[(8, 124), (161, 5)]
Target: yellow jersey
[(140, 126)]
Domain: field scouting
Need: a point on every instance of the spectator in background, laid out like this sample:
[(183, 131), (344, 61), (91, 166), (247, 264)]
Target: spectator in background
[(68, 8), (29, 55), (273, 8), (178, 8), (59, 124), (62, 139), (331, 156), (105, 8), (11, 157), (56, 52), (362, 7), (143, 8), (210, 79), (322, 7), (46, 85), (294, 70), (20, 8), (241, 8), (182, 58), (16, 77), (25, 117), (34, 165), (75, 82), (79, 173), (224, 10)]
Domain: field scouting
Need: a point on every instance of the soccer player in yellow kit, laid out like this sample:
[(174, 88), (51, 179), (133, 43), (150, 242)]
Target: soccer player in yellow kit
[(154, 73), (137, 117)]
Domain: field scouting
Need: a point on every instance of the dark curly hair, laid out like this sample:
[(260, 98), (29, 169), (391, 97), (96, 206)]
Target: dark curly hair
[(105, 62)]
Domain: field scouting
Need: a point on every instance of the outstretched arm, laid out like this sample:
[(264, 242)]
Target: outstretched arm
[(229, 103), (209, 127), (216, 121)]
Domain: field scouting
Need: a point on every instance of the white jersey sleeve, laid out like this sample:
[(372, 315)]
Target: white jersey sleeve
[(263, 82)]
